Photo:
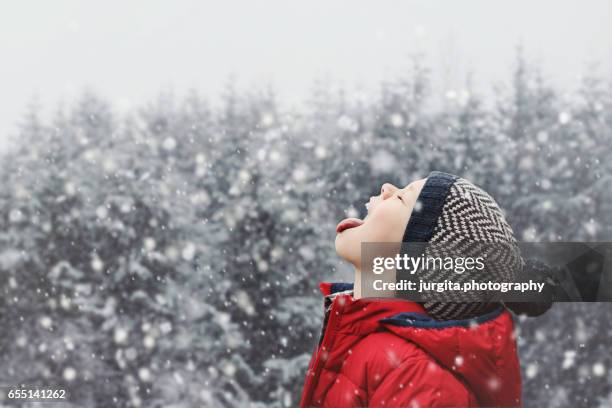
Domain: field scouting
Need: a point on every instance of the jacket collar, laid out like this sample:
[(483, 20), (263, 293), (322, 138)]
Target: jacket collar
[(364, 315), (329, 288)]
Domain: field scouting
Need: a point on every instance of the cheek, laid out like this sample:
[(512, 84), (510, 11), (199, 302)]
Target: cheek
[(386, 224)]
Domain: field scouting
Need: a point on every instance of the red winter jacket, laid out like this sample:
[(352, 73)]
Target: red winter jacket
[(389, 353)]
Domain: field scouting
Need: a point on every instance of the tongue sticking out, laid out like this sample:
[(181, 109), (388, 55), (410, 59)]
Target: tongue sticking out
[(347, 224)]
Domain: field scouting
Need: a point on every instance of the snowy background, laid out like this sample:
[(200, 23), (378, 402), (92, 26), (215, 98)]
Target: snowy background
[(161, 238)]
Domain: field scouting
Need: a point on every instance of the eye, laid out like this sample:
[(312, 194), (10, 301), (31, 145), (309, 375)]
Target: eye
[(400, 197)]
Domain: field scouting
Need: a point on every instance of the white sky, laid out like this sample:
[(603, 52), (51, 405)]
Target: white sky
[(130, 50)]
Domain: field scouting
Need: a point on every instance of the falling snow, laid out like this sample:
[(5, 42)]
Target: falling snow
[(174, 251)]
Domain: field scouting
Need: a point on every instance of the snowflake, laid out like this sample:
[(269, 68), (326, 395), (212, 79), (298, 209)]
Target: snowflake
[(69, 374), (267, 119), (96, 263), (169, 143), (383, 162), (101, 212), (418, 206), (591, 227), (178, 378), (392, 357), (109, 165), (261, 154), (232, 341), (244, 302), (165, 327), (69, 188), (299, 174), (287, 400), (307, 253), (90, 155), (200, 159), (262, 265), (320, 152), (229, 369), (206, 396), (200, 171), (542, 136), (530, 234), (581, 333), (494, 383), (396, 119), (144, 374), (21, 192), (172, 253), (149, 342), (46, 322), (22, 341), (526, 163), (464, 97), (149, 244), (564, 118), (15, 215), (599, 369), (275, 156), (352, 212), (120, 335), (188, 252), (568, 360), (244, 176), (9, 259), (276, 253), (348, 124), (531, 371), (69, 343), (65, 302)]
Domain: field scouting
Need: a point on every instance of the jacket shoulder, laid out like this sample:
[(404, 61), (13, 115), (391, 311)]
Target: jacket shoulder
[(393, 370)]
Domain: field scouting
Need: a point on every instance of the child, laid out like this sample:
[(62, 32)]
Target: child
[(397, 353)]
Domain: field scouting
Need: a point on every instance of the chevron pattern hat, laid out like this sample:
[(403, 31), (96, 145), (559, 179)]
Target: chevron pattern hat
[(456, 216)]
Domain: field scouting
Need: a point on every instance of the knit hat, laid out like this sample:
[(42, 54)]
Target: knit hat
[(453, 215)]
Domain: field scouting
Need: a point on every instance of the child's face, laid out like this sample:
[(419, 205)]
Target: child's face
[(388, 215)]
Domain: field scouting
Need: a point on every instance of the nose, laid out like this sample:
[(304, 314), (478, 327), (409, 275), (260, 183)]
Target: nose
[(387, 190)]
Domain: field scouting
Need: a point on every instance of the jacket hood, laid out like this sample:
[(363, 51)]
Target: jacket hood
[(480, 351)]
